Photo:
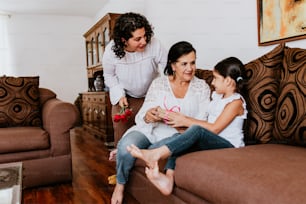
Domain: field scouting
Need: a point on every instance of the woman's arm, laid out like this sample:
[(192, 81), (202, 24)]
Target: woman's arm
[(148, 112), (232, 110), (109, 73)]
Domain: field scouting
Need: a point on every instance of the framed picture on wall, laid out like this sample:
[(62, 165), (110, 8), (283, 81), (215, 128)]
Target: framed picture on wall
[(280, 21)]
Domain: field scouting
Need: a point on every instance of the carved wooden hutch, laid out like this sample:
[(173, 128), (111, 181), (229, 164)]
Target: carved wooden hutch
[(96, 107)]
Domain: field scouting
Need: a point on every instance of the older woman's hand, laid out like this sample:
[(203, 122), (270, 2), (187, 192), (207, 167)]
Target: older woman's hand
[(152, 115)]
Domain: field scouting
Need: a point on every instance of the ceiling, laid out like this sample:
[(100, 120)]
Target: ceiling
[(87, 8)]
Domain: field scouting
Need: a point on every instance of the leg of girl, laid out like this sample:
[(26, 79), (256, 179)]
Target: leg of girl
[(180, 144), (195, 135)]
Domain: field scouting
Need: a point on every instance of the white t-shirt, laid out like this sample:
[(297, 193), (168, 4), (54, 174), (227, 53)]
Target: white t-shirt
[(194, 104), (233, 132), (133, 73)]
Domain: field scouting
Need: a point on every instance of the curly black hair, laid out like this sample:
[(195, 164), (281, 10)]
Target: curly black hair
[(124, 26)]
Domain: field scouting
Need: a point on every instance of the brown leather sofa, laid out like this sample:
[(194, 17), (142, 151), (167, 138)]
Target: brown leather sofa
[(271, 167), (44, 150)]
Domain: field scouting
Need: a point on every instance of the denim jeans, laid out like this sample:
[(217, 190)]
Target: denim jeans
[(195, 138), (124, 160)]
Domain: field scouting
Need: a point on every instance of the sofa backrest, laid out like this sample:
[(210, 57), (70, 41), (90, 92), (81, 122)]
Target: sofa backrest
[(290, 113), (45, 94), (276, 89)]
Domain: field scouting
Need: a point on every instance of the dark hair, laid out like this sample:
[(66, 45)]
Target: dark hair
[(124, 26), (233, 68), (176, 51)]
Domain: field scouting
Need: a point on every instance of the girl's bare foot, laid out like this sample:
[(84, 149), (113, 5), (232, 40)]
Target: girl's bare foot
[(117, 196), (163, 182), (149, 156)]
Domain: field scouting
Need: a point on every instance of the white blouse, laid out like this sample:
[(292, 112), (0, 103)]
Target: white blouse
[(133, 73), (194, 104), (234, 131)]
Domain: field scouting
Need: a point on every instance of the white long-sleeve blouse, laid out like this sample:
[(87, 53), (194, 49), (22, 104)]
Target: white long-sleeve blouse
[(133, 73), (194, 104)]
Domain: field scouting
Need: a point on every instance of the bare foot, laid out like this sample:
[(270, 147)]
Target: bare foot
[(117, 196), (149, 156), (163, 182), (112, 155)]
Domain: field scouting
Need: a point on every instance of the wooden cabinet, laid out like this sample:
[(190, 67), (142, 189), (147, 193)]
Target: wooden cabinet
[(95, 106), (96, 39), (96, 113)]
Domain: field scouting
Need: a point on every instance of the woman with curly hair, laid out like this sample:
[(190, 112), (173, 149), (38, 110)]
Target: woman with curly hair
[(130, 63)]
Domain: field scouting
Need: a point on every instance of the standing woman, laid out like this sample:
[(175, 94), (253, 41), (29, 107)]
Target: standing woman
[(130, 63)]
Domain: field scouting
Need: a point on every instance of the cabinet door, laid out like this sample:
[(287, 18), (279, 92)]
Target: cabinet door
[(92, 49), (86, 109), (100, 46), (89, 52), (94, 44), (100, 116), (106, 33)]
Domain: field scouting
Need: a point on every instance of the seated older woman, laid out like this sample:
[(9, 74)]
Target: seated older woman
[(179, 91)]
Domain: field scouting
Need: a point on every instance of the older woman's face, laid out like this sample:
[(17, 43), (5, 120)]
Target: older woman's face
[(185, 67)]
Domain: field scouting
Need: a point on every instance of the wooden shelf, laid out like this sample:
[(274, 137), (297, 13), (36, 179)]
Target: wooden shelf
[(96, 107)]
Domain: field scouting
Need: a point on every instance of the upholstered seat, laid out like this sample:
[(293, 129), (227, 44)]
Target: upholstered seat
[(39, 138)]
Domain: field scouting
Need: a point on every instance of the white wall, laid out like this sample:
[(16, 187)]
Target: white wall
[(217, 29), (115, 6), (51, 47)]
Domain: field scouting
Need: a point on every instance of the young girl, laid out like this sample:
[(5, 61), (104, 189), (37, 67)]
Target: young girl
[(223, 129)]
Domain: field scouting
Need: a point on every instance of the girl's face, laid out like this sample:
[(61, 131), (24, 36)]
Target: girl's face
[(137, 43), (219, 83), (185, 67)]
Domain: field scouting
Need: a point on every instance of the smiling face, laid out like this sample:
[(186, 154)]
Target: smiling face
[(185, 67), (137, 43)]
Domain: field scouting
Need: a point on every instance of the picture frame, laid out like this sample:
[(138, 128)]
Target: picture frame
[(280, 21)]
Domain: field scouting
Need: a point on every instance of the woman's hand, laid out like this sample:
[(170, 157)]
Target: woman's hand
[(123, 102), (175, 119), (152, 115)]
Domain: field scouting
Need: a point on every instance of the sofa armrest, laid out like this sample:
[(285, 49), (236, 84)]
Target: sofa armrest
[(58, 117)]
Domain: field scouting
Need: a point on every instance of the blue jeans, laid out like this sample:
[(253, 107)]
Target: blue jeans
[(195, 138), (124, 160)]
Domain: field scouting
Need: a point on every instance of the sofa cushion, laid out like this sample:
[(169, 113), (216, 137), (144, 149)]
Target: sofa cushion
[(262, 88), (19, 101), (290, 117), (245, 175), (20, 139)]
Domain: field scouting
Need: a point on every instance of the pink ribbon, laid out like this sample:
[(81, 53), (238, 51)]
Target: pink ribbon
[(172, 109)]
